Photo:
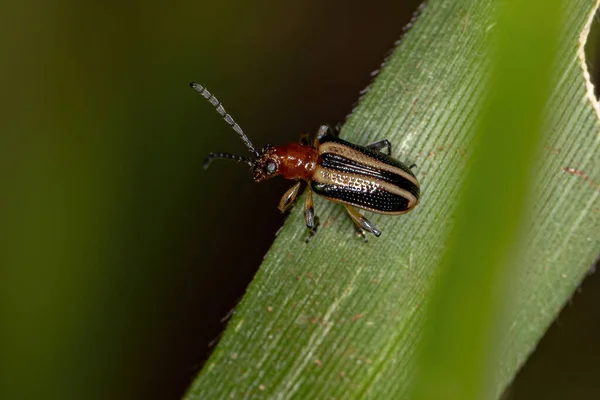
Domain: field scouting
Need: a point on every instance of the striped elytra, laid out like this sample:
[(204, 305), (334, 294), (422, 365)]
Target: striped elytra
[(364, 178), (355, 176)]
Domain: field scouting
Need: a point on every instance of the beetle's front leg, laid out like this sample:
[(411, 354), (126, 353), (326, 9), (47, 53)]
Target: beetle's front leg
[(361, 222), (312, 222), (288, 197), (380, 145)]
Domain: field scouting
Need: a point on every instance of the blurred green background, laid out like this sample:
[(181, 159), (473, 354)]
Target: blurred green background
[(120, 255)]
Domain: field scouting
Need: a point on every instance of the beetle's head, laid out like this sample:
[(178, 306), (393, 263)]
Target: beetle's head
[(263, 167), (266, 165)]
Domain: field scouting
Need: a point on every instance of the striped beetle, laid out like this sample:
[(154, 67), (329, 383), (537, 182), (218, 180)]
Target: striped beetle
[(355, 176)]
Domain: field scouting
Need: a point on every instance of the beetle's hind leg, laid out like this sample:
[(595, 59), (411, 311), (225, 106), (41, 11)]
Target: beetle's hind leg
[(361, 223), (312, 221), (360, 232), (380, 145)]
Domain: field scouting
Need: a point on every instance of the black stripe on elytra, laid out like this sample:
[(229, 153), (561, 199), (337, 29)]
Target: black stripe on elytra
[(347, 165), (379, 156), (379, 200)]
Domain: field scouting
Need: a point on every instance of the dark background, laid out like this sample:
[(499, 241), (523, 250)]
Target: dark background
[(118, 280)]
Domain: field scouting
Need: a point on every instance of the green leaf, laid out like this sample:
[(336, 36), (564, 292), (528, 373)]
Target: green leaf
[(337, 318)]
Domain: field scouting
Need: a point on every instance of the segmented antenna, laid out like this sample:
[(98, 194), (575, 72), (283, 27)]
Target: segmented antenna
[(213, 156), (219, 107)]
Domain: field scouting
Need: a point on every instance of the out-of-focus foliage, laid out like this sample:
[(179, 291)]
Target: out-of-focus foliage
[(119, 254)]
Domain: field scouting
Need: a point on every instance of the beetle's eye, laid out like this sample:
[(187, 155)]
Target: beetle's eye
[(271, 167)]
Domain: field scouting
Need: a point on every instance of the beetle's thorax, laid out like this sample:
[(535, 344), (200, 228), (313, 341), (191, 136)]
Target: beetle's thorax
[(294, 161)]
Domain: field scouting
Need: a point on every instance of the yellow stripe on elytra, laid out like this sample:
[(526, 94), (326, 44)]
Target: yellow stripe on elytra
[(360, 183), (355, 155)]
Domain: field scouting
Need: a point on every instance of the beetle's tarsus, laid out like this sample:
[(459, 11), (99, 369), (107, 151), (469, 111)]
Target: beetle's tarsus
[(323, 131), (375, 231), (361, 222), (336, 129), (312, 221), (369, 227), (309, 210), (312, 231), (380, 145), (360, 232)]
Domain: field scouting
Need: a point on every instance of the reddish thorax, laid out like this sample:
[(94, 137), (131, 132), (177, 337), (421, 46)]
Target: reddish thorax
[(296, 161)]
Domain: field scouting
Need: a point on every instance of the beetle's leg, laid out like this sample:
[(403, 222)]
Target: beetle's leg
[(361, 221), (382, 144), (288, 197), (309, 211), (312, 222), (313, 231), (360, 232), (323, 131), (336, 129)]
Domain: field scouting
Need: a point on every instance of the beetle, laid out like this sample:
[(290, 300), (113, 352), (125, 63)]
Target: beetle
[(356, 176)]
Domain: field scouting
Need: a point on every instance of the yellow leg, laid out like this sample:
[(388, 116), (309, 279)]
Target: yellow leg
[(288, 197), (361, 222), (312, 221), (309, 210)]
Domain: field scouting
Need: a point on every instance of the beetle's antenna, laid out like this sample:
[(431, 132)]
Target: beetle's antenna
[(227, 156), (217, 104)]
